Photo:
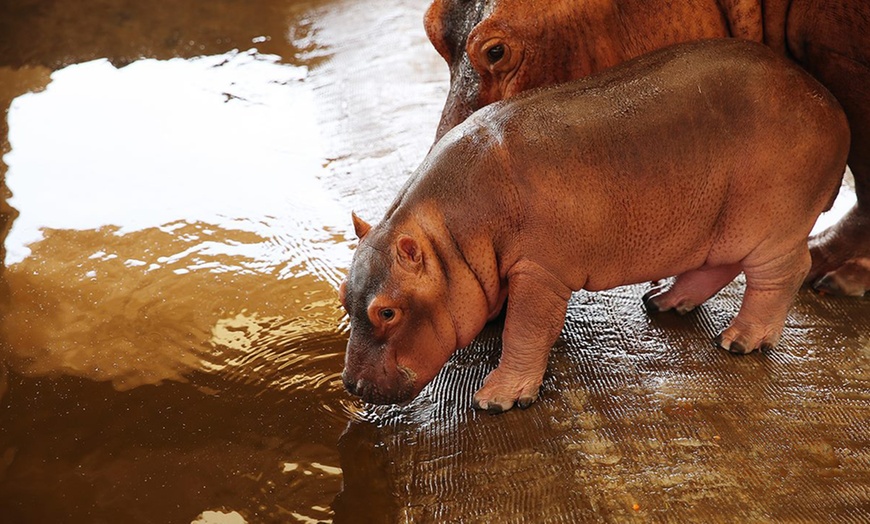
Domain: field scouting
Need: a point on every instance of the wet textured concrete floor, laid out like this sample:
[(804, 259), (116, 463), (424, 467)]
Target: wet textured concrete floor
[(171, 342)]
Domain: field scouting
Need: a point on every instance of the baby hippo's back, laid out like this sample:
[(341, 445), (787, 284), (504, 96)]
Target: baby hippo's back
[(690, 156)]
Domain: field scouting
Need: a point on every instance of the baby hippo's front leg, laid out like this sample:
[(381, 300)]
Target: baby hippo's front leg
[(537, 303)]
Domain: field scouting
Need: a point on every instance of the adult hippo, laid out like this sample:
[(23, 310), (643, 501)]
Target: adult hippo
[(497, 48)]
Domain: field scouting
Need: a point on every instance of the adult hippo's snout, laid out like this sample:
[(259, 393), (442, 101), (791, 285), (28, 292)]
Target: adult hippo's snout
[(448, 24), (462, 100)]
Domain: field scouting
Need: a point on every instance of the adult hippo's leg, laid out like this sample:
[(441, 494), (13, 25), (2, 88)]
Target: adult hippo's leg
[(841, 253), (831, 39)]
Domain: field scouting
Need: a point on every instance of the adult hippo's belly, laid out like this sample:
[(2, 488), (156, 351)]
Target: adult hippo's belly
[(497, 48)]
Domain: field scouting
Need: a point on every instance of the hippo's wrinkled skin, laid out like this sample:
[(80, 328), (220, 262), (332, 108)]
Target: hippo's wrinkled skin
[(701, 160), (497, 48)]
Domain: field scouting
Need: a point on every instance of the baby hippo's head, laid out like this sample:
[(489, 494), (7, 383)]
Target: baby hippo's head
[(401, 333)]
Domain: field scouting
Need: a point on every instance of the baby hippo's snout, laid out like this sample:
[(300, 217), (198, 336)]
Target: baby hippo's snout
[(381, 388)]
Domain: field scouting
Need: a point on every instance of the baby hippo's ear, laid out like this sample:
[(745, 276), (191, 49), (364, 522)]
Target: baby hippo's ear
[(409, 253), (360, 226)]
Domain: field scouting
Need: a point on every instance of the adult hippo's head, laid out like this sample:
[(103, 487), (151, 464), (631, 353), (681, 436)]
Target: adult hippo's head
[(497, 48)]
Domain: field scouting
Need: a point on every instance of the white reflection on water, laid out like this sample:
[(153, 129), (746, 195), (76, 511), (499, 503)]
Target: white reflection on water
[(228, 140), (160, 200), (219, 517)]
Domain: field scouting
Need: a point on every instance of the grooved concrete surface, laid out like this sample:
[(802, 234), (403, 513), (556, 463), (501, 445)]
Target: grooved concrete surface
[(642, 419)]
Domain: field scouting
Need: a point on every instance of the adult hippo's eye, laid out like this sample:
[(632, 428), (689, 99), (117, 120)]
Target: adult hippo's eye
[(387, 314), (495, 53)]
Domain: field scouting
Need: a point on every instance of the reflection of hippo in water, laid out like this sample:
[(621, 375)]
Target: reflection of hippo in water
[(497, 48), (701, 160)]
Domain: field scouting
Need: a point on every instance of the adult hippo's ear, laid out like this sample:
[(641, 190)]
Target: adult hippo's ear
[(360, 226), (433, 23)]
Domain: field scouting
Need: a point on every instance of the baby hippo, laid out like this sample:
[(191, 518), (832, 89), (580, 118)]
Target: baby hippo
[(700, 160)]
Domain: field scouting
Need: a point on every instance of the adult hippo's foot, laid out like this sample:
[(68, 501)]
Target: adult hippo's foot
[(841, 256)]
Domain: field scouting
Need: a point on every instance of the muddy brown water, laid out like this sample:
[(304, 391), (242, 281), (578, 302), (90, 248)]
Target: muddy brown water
[(180, 178)]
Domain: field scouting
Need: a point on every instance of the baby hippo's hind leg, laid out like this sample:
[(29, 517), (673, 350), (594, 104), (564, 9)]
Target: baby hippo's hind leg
[(772, 279), (690, 289)]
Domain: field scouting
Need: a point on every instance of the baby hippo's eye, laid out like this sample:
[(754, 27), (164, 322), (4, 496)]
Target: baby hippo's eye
[(387, 314)]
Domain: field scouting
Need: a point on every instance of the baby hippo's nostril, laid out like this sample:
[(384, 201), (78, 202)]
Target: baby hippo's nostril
[(350, 385), (357, 388)]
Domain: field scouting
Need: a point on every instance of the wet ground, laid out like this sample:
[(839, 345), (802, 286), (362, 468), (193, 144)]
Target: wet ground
[(180, 179)]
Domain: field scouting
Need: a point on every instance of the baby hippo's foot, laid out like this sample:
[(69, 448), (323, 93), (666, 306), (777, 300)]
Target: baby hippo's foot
[(501, 390), (841, 257), (690, 289), (742, 341), (657, 300)]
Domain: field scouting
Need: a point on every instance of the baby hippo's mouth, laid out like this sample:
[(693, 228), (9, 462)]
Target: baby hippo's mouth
[(383, 390)]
